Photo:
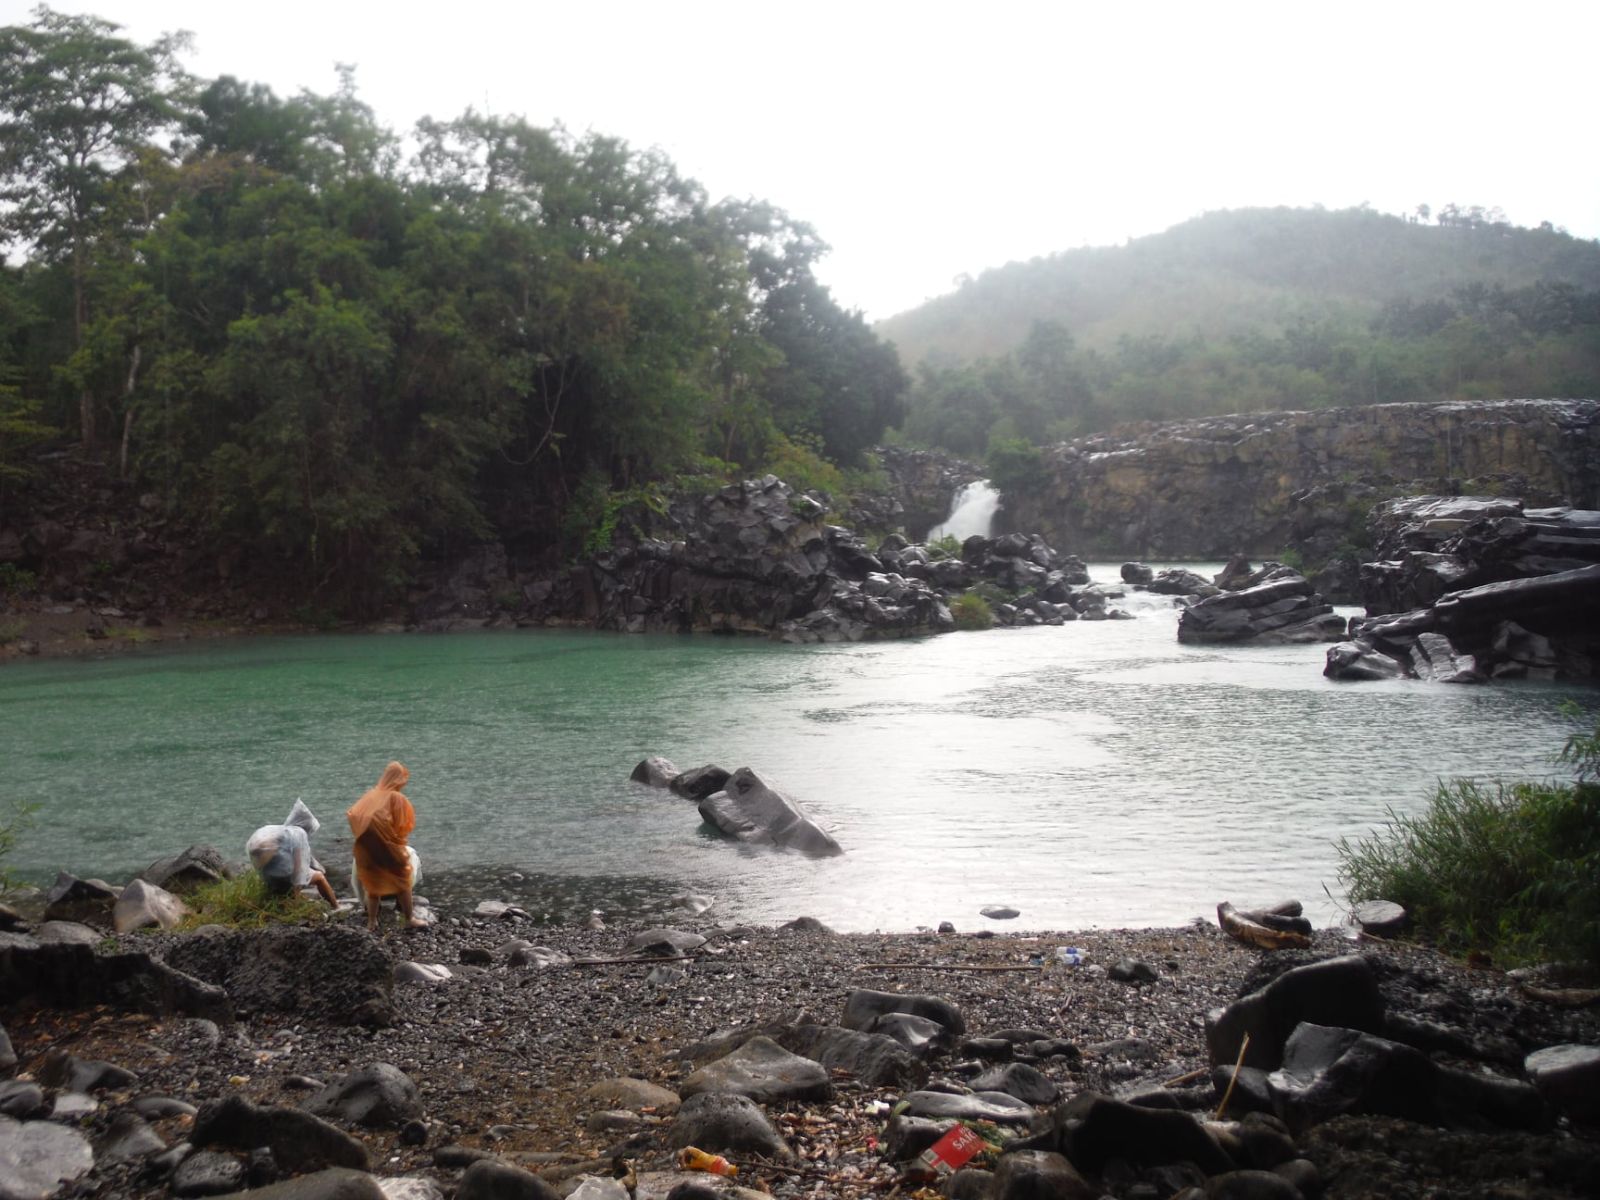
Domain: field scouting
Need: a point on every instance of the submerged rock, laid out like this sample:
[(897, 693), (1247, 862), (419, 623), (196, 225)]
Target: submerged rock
[(751, 810)]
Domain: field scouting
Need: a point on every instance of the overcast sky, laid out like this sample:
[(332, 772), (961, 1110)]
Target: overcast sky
[(929, 140)]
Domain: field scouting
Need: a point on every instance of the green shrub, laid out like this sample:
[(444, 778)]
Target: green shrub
[(244, 903), (13, 825), (1293, 559), (949, 546), (798, 462), (14, 580), (972, 611), (1511, 869)]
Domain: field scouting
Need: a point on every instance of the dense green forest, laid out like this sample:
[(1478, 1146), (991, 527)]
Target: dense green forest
[(352, 351), (1250, 310)]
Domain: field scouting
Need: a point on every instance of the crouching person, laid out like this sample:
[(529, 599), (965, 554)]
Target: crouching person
[(281, 854)]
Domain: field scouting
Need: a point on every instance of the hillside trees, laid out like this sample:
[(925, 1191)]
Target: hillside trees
[(332, 365), (78, 106)]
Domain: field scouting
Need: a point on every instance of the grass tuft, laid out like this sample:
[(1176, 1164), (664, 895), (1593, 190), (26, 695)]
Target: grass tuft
[(245, 903), (972, 611), (1508, 869)]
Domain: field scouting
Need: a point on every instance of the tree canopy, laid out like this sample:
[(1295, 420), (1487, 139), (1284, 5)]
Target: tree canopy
[(350, 360)]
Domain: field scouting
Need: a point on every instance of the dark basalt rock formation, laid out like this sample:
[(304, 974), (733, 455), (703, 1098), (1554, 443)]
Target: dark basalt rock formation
[(922, 484), (1473, 587), (1257, 482), (1282, 608), (751, 810)]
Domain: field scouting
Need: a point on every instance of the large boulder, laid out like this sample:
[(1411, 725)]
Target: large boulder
[(378, 1096), (863, 1007), (326, 973), (145, 906), (1336, 991), (68, 975), (87, 901), (38, 1157), (299, 1141), (1282, 608), (181, 873), (751, 810), (764, 1071)]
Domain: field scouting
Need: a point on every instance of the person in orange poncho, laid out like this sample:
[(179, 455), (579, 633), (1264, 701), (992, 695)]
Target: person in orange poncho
[(380, 822)]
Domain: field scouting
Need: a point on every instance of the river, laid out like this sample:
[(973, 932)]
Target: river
[(1092, 775)]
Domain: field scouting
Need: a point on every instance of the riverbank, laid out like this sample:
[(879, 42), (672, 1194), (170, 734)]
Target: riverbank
[(512, 1059)]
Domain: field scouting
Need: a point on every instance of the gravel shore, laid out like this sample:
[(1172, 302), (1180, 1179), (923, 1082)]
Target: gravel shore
[(503, 1055)]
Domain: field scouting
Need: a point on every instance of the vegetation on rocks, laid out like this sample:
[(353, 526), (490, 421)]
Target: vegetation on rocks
[(244, 902), (972, 611), (15, 819), (1508, 869)]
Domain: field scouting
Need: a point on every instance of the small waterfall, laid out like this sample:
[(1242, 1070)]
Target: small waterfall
[(972, 511)]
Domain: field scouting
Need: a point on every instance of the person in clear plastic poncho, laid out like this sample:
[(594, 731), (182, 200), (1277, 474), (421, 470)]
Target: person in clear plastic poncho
[(385, 865), (282, 855)]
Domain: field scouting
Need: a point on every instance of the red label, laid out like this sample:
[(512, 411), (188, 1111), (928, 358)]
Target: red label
[(951, 1152)]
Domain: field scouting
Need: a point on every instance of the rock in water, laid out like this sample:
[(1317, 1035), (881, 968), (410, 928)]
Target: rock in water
[(654, 771), (751, 810)]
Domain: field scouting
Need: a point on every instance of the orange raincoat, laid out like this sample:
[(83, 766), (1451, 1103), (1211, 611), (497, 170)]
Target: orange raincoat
[(380, 822)]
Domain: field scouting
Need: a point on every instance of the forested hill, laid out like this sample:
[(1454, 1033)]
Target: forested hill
[(1260, 309), (1236, 271)]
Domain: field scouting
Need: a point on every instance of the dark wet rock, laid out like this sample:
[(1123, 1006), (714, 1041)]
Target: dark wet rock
[(1381, 918), (74, 976), (863, 1006), (947, 927), (920, 1035), (340, 975), (1434, 658), (1092, 1130), (1264, 1141), (1328, 1072), (907, 1136), (334, 1183), (700, 782), (1017, 1079), (1132, 970), (1336, 991), (21, 1099), (11, 921), (989, 1049), (145, 906), (127, 1138), (68, 933), (1038, 1175), (655, 771), (719, 1122), (87, 901), (453, 1157), (1249, 1093), (157, 1108), (978, 1106), (1176, 581), (476, 956), (298, 1140), (181, 873), (1136, 573), (1251, 1185), (664, 942), (1361, 663), (1569, 1078), (764, 1071), (871, 1058), (378, 1096), (751, 810), (208, 1173), (8, 1056), (63, 1070), (1284, 608), (999, 912), (969, 1183), (805, 925), (499, 910), (37, 1157), (634, 1095)]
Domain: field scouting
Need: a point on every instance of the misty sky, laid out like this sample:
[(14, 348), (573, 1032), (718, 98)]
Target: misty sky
[(928, 140)]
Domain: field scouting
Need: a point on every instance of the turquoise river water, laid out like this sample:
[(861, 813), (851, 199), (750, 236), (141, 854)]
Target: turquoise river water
[(1097, 774)]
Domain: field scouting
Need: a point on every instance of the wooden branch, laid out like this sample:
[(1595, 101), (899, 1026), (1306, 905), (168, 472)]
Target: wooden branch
[(613, 962), (903, 966)]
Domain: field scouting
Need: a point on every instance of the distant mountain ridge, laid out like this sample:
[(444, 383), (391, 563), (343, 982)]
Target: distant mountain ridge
[(1234, 271)]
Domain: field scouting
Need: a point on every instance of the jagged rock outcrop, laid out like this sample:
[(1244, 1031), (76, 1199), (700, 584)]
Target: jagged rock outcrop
[(1475, 587), (1258, 482), (1281, 608), (922, 483), (753, 557)]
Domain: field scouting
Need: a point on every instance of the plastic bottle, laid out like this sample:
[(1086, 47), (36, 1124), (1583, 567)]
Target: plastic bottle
[(693, 1158), (1071, 956)]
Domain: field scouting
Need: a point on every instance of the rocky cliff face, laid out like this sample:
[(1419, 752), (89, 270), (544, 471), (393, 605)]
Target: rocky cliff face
[(921, 486), (1260, 482)]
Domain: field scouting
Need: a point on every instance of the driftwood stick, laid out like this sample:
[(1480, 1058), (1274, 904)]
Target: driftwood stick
[(1234, 1078), (903, 966), (1180, 1080), (615, 962)]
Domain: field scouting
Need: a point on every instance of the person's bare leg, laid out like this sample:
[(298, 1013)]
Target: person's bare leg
[(373, 903), (407, 914), (324, 888)]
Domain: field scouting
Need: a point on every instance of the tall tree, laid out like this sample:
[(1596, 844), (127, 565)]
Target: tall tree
[(77, 105)]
